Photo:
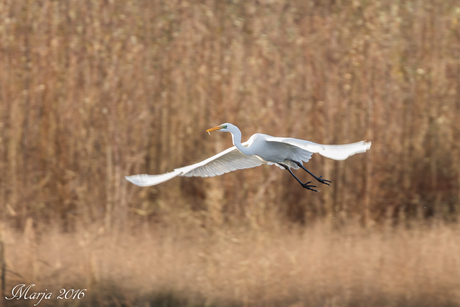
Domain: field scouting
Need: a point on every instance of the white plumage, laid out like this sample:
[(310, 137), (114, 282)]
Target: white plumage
[(260, 149)]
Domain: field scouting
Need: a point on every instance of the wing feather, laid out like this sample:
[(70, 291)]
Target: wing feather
[(144, 180), (336, 152), (228, 160)]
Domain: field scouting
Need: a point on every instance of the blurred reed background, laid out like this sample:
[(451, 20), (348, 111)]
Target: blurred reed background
[(91, 91)]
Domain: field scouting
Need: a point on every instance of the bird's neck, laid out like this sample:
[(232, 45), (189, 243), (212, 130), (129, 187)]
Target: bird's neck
[(236, 136)]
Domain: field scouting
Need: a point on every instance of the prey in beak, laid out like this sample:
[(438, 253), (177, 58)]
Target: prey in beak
[(213, 129)]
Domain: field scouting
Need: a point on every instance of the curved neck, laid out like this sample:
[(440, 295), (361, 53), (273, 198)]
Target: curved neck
[(236, 137)]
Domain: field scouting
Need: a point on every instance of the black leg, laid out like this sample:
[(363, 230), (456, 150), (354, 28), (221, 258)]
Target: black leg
[(324, 181), (305, 185)]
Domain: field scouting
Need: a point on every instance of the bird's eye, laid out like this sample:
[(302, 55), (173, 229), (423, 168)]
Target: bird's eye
[(223, 127)]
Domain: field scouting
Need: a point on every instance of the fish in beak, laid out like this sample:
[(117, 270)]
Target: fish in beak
[(213, 129)]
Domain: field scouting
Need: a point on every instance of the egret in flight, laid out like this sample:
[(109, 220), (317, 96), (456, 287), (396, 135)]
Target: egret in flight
[(286, 153)]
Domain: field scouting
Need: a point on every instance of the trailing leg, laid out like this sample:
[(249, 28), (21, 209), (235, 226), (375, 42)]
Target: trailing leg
[(324, 181), (306, 185)]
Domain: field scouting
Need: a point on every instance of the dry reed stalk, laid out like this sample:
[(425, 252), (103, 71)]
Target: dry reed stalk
[(2, 266), (241, 266), (94, 91)]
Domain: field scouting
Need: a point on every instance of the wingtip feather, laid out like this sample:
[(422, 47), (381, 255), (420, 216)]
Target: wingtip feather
[(367, 144), (144, 180)]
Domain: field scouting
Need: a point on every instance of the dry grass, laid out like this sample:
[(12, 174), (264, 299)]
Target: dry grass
[(95, 90), (315, 266), (91, 91)]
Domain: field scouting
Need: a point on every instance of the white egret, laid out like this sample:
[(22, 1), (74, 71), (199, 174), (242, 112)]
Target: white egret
[(260, 149)]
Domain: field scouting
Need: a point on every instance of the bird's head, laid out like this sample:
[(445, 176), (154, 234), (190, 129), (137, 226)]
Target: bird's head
[(227, 127)]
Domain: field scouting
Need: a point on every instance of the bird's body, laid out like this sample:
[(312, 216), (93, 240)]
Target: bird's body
[(260, 149), (270, 150)]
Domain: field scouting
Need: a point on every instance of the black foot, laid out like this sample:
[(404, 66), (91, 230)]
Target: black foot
[(309, 186), (323, 181)]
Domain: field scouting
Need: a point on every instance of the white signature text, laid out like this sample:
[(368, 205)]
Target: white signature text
[(23, 291)]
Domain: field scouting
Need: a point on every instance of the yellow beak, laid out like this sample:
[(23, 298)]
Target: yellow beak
[(213, 129)]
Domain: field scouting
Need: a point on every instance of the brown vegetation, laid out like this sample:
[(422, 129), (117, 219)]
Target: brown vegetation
[(186, 266), (91, 91)]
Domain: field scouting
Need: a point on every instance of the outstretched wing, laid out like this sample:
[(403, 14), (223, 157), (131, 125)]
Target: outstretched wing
[(226, 161), (336, 152)]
